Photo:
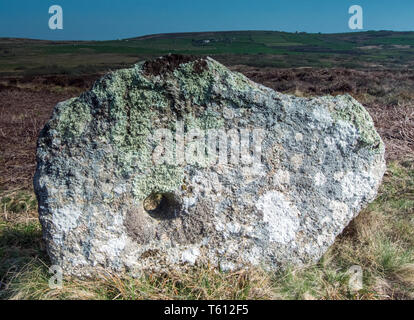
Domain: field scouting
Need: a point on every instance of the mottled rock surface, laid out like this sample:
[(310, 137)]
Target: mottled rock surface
[(126, 182)]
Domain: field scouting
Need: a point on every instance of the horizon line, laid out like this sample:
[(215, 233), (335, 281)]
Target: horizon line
[(200, 32)]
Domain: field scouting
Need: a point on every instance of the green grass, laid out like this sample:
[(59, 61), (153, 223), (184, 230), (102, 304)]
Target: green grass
[(276, 49), (17, 202), (380, 240)]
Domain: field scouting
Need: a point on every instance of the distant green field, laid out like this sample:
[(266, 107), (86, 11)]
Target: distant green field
[(372, 49)]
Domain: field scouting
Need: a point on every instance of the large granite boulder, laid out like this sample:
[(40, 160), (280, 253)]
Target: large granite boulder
[(179, 161)]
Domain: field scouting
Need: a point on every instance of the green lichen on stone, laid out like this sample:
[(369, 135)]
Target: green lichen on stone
[(194, 86), (160, 179), (208, 119), (355, 113), (239, 82), (133, 105), (211, 120), (197, 86), (73, 119)]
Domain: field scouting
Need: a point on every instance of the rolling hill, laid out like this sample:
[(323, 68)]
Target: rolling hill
[(359, 50)]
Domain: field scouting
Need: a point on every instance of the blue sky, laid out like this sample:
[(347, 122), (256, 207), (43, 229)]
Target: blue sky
[(106, 19)]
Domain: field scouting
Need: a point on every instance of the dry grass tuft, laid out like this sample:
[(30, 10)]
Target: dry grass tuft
[(31, 282), (405, 273)]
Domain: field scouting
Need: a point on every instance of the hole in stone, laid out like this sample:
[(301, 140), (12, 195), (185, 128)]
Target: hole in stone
[(162, 205)]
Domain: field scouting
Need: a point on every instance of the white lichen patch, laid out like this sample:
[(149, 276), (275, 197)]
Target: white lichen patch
[(281, 216), (319, 179), (281, 178), (298, 137), (339, 210), (296, 160), (233, 227), (66, 218), (227, 266), (114, 246), (322, 118), (190, 255), (338, 175), (353, 185)]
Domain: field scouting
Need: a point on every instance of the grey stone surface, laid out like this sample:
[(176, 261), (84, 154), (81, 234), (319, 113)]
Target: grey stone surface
[(108, 202)]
